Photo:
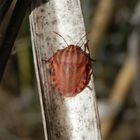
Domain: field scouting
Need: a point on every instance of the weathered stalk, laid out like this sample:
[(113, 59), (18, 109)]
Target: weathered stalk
[(64, 118)]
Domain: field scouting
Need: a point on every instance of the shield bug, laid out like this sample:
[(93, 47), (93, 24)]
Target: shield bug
[(70, 69)]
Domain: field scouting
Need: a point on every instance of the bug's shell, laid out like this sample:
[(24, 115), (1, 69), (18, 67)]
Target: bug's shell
[(70, 70)]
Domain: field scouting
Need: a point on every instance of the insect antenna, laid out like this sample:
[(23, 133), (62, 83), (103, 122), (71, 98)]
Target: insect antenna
[(81, 39), (61, 37)]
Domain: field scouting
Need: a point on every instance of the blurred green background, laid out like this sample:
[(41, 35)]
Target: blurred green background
[(114, 35)]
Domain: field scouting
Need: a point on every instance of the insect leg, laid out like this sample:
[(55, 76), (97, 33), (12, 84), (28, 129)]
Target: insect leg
[(93, 60), (89, 88), (86, 46), (48, 61), (45, 60)]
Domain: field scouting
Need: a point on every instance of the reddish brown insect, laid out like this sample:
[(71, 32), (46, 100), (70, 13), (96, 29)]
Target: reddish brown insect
[(70, 69)]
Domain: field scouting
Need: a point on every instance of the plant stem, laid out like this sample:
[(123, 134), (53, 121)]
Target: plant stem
[(11, 32)]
